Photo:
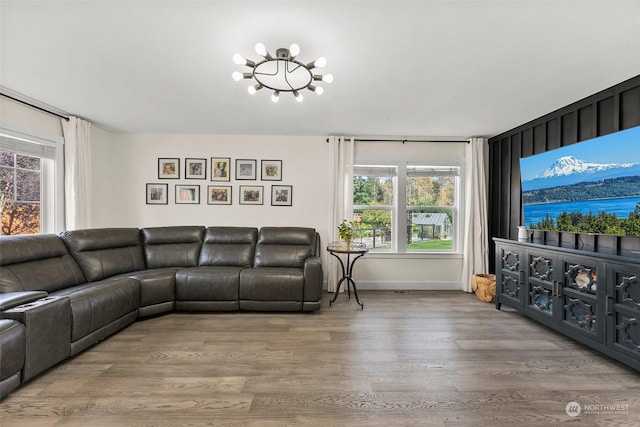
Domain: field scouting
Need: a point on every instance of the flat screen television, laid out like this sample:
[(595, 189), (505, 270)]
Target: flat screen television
[(592, 186)]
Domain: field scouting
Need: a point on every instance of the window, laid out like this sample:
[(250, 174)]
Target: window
[(374, 188), (20, 182), (407, 208), (27, 185), (431, 197)]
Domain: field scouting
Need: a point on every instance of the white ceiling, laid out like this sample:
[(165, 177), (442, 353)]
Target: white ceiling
[(401, 68)]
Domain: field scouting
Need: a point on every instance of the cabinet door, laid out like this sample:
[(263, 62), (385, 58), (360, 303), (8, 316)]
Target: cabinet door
[(581, 298), (509, 275), (624, 309), (541, 285)]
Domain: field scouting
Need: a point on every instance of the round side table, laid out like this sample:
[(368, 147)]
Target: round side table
[(348, 249)]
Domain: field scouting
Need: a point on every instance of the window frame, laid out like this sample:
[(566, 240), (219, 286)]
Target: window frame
[(400, 210), (28, 142)]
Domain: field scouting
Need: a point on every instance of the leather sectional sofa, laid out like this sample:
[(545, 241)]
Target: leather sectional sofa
[(60, 294)]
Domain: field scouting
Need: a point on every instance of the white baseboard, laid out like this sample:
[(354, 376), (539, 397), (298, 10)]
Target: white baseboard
[(406, 286)]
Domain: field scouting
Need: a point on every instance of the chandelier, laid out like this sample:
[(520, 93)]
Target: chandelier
[(282, 73)]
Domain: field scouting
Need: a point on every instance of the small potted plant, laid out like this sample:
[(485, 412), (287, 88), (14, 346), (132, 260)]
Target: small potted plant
[(348, 230)]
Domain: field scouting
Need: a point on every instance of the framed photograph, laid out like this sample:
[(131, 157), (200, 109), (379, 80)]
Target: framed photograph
[(246, 169), (187, 194), (271, 170), (219, 195), (220, 169), (157, 194), (281, 195), (168, 168), (195, 168), (251, 194)]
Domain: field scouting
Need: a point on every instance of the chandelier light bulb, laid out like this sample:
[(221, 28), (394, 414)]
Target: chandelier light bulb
[(253, 89), (298, 96), (276, 96), (320, 62), (319, 90), (328, 78), (238, 59), (294, 49), (237, 76), (261, 50)]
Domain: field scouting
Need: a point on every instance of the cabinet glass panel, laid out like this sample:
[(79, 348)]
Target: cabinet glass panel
[(541, 299), (582, 278), (510, 286), (628, 290), (541, 268), (628, 332), (510, 260), (581, 314)]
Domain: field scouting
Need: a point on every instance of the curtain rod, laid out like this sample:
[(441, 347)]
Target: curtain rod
[(35, 106), (404, 140)]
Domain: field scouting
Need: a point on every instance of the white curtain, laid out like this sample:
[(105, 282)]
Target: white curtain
[(475, 244), (77, 173), (342, 197)]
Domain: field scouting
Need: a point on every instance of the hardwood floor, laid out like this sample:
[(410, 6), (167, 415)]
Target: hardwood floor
[(415, 358)]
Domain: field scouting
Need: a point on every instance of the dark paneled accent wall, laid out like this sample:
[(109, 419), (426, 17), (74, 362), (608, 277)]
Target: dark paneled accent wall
[(611, 110)]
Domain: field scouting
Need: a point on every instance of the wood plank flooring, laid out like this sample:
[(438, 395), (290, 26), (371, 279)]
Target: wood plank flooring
[(408, 359)]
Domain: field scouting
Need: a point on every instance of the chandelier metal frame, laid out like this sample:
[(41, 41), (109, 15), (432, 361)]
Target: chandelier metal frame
[(282, 73)]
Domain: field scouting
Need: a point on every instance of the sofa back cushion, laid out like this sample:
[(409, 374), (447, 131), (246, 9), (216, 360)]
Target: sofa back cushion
[(104, 252), (36, 263), (284, 246), (172, 246), (229, 246)]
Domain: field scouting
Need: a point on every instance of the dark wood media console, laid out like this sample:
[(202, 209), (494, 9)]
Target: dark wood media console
[(593, 298)]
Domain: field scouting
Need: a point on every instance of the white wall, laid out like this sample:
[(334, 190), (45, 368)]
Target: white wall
[(124, 163)]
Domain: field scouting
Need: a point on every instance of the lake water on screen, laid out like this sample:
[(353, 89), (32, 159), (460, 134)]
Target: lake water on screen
[(622, 207)]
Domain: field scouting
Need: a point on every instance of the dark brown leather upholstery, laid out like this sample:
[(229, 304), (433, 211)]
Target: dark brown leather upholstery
[(278, 280), (12, 353), (37, 263), (105, 252), (64, 293)]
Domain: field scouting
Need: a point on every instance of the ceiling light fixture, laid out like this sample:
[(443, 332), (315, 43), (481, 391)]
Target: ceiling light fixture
[(284, 73)]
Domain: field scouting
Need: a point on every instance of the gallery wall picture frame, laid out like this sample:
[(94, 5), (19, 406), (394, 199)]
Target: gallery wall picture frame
[(246, 169), (281, 195), (168, 168), (157, 194), (220, 169), (271, 170), (219, 194), (187, 194), (195, 168), (251, 194)]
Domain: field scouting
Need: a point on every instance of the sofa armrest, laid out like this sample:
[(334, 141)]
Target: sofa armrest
[(312, 279), (47, 323), (13, 299)]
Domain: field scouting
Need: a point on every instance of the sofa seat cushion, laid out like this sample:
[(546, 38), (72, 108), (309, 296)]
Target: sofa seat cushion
[(272, 284), (156, 285), (12, 347), (95, 305), (208, 284)]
